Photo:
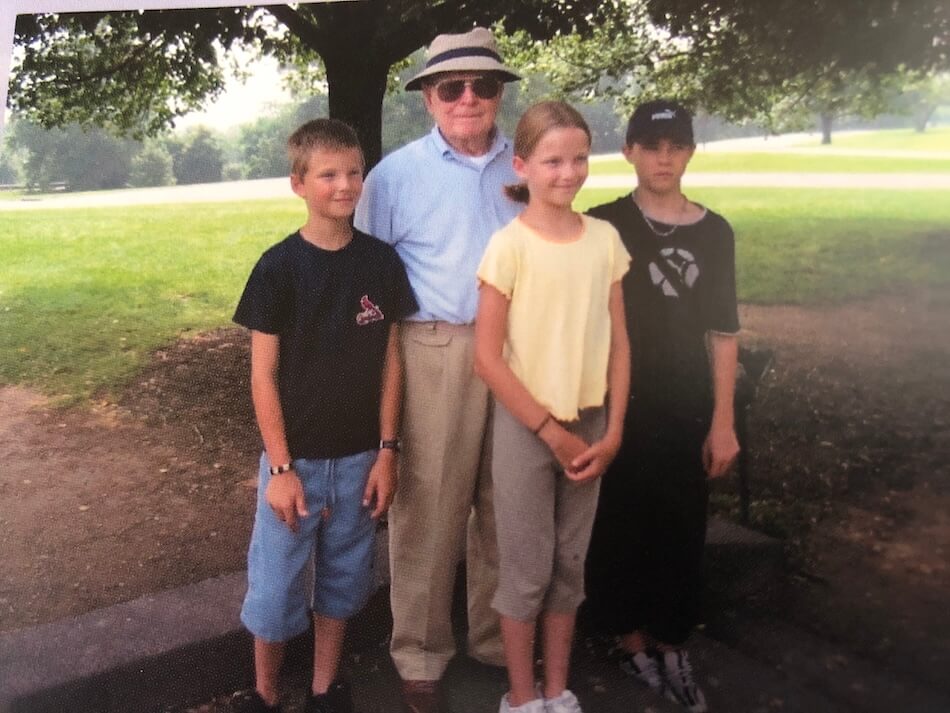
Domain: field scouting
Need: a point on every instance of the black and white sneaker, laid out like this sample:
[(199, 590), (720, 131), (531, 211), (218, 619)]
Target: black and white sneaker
[(678, 672), (643, 666)]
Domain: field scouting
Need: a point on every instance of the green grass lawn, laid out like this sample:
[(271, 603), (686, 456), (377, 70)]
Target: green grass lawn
[(934, 139), (86, 295), (761, 162)]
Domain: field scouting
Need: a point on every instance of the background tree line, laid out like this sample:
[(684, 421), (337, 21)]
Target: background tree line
[(135, 72), (91, 158)]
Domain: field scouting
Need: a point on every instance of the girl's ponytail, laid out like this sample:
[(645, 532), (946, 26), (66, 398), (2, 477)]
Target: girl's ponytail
[(518, 192)]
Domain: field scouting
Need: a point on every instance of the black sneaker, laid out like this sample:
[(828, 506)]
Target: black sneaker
[(337, 699), (251, 702)]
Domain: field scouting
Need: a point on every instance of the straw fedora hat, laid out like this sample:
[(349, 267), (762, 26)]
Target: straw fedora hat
[(473, 51)]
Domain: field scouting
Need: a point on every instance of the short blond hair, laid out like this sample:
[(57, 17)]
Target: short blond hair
[(319, 134)]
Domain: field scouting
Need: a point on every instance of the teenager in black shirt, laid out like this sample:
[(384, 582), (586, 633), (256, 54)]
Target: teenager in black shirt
[(644, 567)]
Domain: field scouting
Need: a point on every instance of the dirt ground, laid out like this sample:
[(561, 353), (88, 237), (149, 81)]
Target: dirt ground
[(850, 438)]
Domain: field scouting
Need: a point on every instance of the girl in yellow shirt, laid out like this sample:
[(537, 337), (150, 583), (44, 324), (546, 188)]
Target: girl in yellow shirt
[(551, 344)]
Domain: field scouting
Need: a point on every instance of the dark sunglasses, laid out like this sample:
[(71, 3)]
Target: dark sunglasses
[(483, 87)]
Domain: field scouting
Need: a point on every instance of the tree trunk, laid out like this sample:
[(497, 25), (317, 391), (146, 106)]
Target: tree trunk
[(922, 115), (348, 38), (826, 121), (357, 87)]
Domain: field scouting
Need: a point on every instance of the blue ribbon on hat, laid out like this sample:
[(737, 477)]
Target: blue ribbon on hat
[(463, 52)]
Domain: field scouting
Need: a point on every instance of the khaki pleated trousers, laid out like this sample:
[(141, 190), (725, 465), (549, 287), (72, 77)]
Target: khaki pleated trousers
[(443, 505)]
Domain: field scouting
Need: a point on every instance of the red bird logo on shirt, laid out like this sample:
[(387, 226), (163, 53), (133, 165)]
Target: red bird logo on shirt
[(371, 313)]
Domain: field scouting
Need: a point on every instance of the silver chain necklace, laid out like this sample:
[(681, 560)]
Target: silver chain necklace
[(650, 224)]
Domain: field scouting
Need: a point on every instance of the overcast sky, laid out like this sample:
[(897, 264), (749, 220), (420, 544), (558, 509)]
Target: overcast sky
[(242, 103)]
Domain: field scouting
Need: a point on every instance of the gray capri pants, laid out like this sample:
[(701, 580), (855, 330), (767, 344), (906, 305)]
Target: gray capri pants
[(543, 519)]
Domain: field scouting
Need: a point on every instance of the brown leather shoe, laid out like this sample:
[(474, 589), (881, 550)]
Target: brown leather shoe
[(421, 697)]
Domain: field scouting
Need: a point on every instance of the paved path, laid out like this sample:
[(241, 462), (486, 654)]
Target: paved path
[(280, 188), (801, 143), (890, 181), (198, 193)]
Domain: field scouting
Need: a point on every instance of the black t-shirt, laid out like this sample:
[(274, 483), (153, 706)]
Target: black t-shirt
[(332, 310), (679, 286)]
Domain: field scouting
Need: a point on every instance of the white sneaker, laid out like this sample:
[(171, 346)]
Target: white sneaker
[(535, 706), (678, 672), (645, 667), (565, 703)]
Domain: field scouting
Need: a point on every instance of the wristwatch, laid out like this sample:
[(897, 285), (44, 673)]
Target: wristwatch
[(391, 444), (278, 469)]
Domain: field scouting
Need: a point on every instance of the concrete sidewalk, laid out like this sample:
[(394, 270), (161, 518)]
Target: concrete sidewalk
[(883, 181), (180, 651), (185, 645)]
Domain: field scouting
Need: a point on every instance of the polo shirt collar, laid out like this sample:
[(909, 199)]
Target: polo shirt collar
[(499, 144)]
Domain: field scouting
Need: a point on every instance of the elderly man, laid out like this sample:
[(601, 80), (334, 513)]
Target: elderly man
[(438, 200)]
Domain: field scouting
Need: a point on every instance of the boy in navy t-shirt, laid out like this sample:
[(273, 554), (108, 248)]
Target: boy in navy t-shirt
[(323, 307)]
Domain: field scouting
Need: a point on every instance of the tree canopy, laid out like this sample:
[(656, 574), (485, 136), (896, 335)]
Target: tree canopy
[(798, 34), (135, 72), (747, 60)]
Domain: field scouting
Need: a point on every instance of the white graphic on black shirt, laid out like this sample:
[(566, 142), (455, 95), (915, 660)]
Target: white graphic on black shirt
[(679, 270)]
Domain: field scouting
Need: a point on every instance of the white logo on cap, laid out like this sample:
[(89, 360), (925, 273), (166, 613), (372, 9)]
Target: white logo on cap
[(665, 114)]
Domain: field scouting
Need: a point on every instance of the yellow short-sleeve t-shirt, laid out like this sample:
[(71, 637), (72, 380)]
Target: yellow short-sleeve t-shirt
[(558, 339)]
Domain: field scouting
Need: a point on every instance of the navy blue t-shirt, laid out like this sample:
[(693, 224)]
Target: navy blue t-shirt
[(332, 310)]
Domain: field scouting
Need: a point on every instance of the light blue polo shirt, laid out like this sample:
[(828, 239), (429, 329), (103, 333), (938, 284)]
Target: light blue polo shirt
[(438, 208)]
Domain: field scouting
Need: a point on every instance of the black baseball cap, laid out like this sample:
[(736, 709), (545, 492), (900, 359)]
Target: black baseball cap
[(660, 119)]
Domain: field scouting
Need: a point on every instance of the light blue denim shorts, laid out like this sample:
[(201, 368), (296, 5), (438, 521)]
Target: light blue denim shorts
[(337, 537)]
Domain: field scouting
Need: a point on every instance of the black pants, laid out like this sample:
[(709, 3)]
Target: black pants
[(644, 565)]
